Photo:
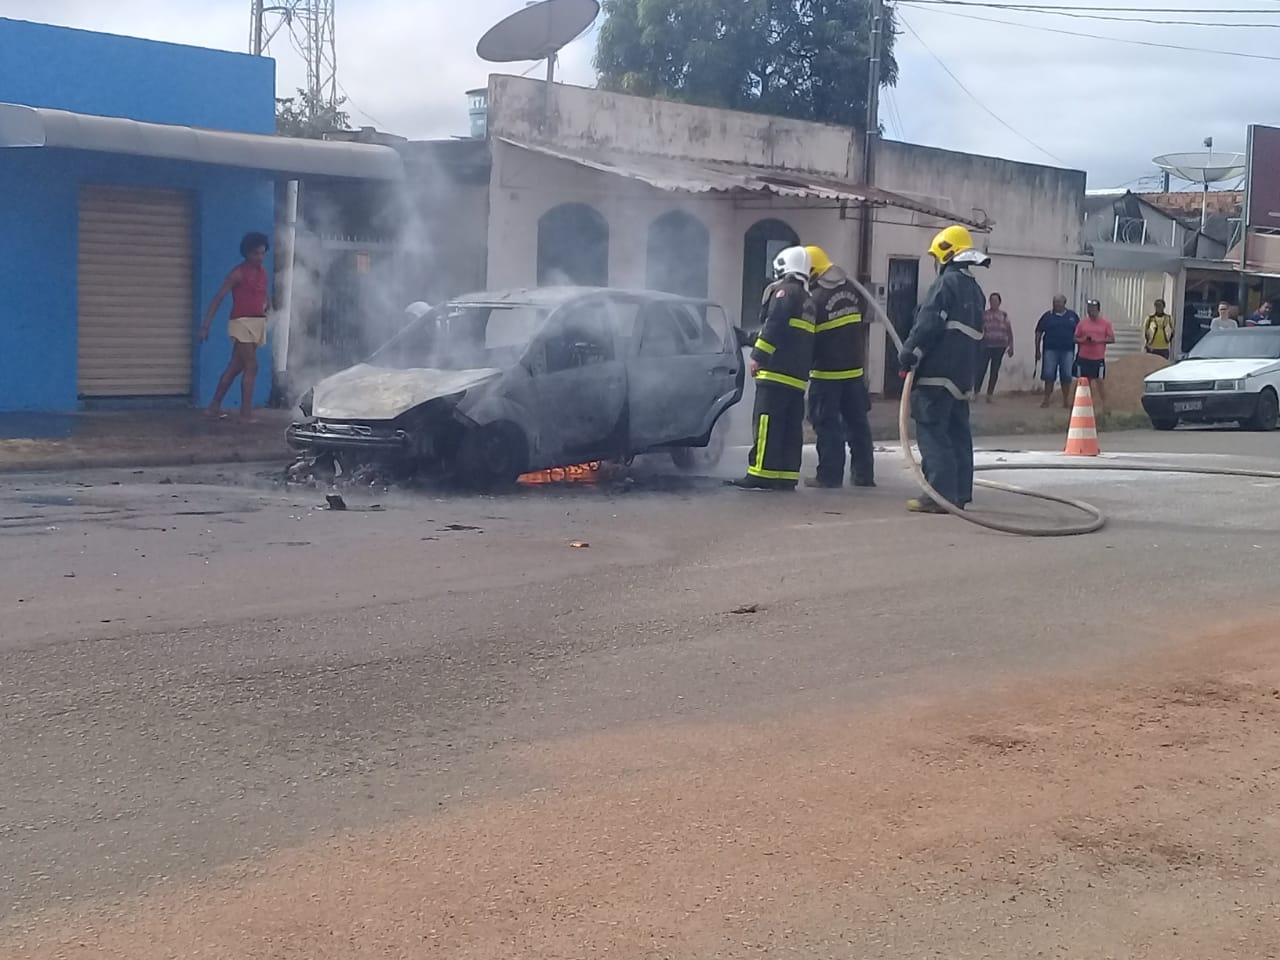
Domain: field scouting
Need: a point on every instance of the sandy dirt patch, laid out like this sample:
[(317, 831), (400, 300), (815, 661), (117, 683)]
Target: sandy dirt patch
[(1136, 815)]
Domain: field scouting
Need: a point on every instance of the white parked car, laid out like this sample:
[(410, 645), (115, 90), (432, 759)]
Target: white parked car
[(1230, 375)]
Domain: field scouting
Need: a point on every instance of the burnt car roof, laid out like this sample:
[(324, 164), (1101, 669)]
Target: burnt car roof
[(551, 297)]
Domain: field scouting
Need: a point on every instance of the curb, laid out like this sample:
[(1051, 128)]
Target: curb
[(124, 461)]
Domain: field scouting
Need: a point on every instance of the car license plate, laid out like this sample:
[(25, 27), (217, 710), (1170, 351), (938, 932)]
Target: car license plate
[(1187, 406)]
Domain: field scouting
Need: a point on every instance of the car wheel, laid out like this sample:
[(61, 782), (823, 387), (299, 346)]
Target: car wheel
[(491, 456), (1267, 414), (708, 457), (1164, 423)]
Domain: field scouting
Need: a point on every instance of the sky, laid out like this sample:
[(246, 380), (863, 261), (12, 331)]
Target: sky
[(1013, 89)]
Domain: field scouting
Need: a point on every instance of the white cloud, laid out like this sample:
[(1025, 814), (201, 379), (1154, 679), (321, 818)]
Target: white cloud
[(1097, 105)]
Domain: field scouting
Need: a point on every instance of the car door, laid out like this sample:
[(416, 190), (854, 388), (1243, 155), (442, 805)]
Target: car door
[(580, 384), (677, 374)]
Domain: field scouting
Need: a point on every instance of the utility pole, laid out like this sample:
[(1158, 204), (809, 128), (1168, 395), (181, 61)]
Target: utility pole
[(871, 137), (256, 42)]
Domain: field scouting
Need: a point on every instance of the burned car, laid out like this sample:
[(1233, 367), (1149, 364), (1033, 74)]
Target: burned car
[(493, 385)]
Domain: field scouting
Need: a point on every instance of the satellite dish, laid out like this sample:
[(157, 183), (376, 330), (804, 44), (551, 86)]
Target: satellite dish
[(1203, 168), (538, 32)]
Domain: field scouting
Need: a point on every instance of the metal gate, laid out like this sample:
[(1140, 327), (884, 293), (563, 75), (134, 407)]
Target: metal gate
[(1122, 293), (135, 293), (347, 301)]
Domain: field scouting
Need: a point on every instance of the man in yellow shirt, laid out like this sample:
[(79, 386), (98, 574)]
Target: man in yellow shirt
[(1159, 332)]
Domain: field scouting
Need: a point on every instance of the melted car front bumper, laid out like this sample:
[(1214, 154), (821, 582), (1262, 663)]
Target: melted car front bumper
[(319, 435)]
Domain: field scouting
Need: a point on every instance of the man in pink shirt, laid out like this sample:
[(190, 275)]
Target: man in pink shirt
[(1093, 333)]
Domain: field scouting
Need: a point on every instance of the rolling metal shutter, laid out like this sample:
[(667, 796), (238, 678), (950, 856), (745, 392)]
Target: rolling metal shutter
[(135, 293)]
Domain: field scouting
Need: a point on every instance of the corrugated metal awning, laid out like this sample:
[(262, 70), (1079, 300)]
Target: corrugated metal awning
[(23, 126), (709, 176)]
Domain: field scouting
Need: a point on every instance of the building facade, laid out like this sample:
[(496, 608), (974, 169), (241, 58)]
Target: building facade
[(591, 187), (130, 170), (1149, 246)]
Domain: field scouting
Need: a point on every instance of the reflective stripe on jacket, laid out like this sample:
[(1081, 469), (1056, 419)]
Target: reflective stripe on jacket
[(947, 333), (840, 342), (784, 349)]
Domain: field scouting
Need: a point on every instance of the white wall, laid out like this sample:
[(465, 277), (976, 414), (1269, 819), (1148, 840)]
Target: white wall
[(584, 118), (1037, 217)]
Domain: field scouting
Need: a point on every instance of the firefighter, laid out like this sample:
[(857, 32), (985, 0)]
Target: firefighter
[(839, 403), (943, 349), (780, 363)]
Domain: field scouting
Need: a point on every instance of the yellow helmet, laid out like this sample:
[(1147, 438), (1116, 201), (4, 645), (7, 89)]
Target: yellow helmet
[(819, 262), (950, 241)]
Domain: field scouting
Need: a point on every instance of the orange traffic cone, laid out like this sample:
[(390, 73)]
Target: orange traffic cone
[(1082, 434)]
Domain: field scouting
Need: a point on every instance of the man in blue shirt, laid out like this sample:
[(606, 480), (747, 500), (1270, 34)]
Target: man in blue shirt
[(1056, 349), (1263, 317)]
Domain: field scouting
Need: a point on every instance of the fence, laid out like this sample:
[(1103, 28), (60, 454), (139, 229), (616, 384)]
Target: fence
[(1126, 296)]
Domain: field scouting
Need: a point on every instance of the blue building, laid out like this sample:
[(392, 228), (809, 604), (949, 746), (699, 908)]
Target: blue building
[(129, 171)]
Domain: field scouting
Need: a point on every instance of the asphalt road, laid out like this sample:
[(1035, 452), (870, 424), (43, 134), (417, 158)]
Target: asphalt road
[(199, 666)]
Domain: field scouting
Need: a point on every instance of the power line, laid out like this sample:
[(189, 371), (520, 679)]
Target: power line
[(892, 101), (355, 106), (1095, 36), (960, 83), (1094, 8), (1074, 14)]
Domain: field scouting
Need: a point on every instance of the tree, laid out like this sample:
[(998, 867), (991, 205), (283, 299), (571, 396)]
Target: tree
[(307, 116), (806, 59)]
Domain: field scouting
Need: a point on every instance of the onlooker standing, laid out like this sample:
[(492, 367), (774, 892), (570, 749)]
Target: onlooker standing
[(997, 340), (1093, 333), (1262, 317), (1056, 344), (1224, 320), (247, 284), (1158, 331)]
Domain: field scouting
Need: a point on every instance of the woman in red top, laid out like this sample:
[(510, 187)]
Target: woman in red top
[(1093, 333), (248, 286)]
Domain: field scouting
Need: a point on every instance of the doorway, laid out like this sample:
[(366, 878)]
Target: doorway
[(763, 241), (678, 255), (901, 296), (573, 247)]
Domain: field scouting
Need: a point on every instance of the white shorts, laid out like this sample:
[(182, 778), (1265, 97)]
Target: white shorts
[(248, 330)]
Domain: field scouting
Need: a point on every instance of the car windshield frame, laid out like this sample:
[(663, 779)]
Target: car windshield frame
[(1251, 344), (457, 354)]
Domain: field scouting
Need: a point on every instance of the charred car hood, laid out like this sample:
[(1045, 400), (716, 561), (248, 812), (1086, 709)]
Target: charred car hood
[(366, 392)]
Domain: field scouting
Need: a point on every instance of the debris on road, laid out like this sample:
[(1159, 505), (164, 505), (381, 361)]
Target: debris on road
[(744, 610), (579, 544), (335, 501), (460, 527)]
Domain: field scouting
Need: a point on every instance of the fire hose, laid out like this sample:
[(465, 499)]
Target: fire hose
[(1096, 519)]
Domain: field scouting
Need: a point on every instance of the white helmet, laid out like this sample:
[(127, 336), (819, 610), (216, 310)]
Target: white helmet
[(792, 262)]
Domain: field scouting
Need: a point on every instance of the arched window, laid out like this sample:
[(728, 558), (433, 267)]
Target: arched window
[(678, 254), (573, 247), (763, 241)]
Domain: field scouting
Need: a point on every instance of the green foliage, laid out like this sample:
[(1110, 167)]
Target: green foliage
[(806, 59), (307, 116)]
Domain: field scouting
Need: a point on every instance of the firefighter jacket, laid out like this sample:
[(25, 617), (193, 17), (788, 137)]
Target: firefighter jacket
[(946, 337), (840, 337), (765, 297), (784, 348)]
